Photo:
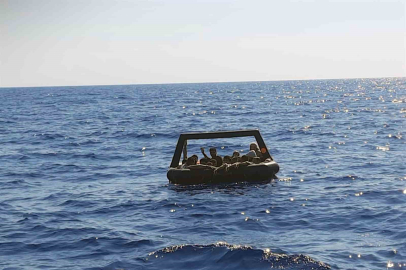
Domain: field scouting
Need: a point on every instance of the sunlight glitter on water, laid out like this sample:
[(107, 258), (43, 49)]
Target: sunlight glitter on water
[(383, 148), (140, 191)]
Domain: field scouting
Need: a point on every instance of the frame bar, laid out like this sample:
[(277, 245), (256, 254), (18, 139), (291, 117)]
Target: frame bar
[(217, 135)]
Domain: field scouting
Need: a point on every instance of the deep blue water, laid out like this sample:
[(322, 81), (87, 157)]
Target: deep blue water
[(83, 177)]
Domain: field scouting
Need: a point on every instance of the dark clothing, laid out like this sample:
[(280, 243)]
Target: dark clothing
[(219, 161), (204, 160), (259, 154)]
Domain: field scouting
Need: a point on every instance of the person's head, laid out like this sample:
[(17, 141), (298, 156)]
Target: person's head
[(227, 159), (213, 152), (191, 161), (196, 158), (254, 146), (236, 153)]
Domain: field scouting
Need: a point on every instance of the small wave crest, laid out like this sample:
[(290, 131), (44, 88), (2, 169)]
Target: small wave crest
[(222, 255)]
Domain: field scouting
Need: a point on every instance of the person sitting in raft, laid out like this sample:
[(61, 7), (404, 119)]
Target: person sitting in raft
[(190, 161), (254, 147), (196, 158), (235, 157), (205, 164), (235, 154), (226, 160), (213, 153)]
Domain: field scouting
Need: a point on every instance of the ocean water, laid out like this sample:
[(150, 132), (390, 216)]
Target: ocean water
[(83, 177)]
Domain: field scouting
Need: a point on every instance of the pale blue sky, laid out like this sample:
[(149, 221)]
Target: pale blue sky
[(84, 42)]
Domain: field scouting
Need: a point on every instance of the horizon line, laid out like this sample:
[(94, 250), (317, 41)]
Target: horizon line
[(87, 85)]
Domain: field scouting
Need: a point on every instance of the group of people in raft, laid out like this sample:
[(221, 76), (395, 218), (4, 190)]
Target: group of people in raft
[(254, 156)]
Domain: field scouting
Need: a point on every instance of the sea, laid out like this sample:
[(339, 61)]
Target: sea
[(83, 180)]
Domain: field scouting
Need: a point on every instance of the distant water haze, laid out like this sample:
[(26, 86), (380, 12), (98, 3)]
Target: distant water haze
[(48, 43)]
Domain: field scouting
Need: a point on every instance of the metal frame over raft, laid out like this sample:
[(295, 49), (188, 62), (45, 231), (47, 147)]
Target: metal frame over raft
[(184, 137), (227, 173)]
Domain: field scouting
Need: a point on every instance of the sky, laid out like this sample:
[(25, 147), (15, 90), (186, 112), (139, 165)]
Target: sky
[(111, 42)]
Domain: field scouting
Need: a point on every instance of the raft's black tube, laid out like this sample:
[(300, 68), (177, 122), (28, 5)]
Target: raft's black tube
[(251, 173)]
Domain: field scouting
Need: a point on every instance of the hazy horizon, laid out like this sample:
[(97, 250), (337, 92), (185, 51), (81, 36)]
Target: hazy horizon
[(84, 85), (74, 43)]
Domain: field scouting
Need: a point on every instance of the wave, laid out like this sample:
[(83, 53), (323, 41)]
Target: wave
[(222, 255)]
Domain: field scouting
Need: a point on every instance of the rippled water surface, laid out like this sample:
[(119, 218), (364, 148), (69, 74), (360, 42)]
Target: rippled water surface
[(83, 177)]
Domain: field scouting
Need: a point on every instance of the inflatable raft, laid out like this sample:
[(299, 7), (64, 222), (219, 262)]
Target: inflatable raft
[(229, 173)]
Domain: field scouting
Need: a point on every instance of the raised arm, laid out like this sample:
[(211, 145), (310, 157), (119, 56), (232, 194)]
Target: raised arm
[(204, 154)]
